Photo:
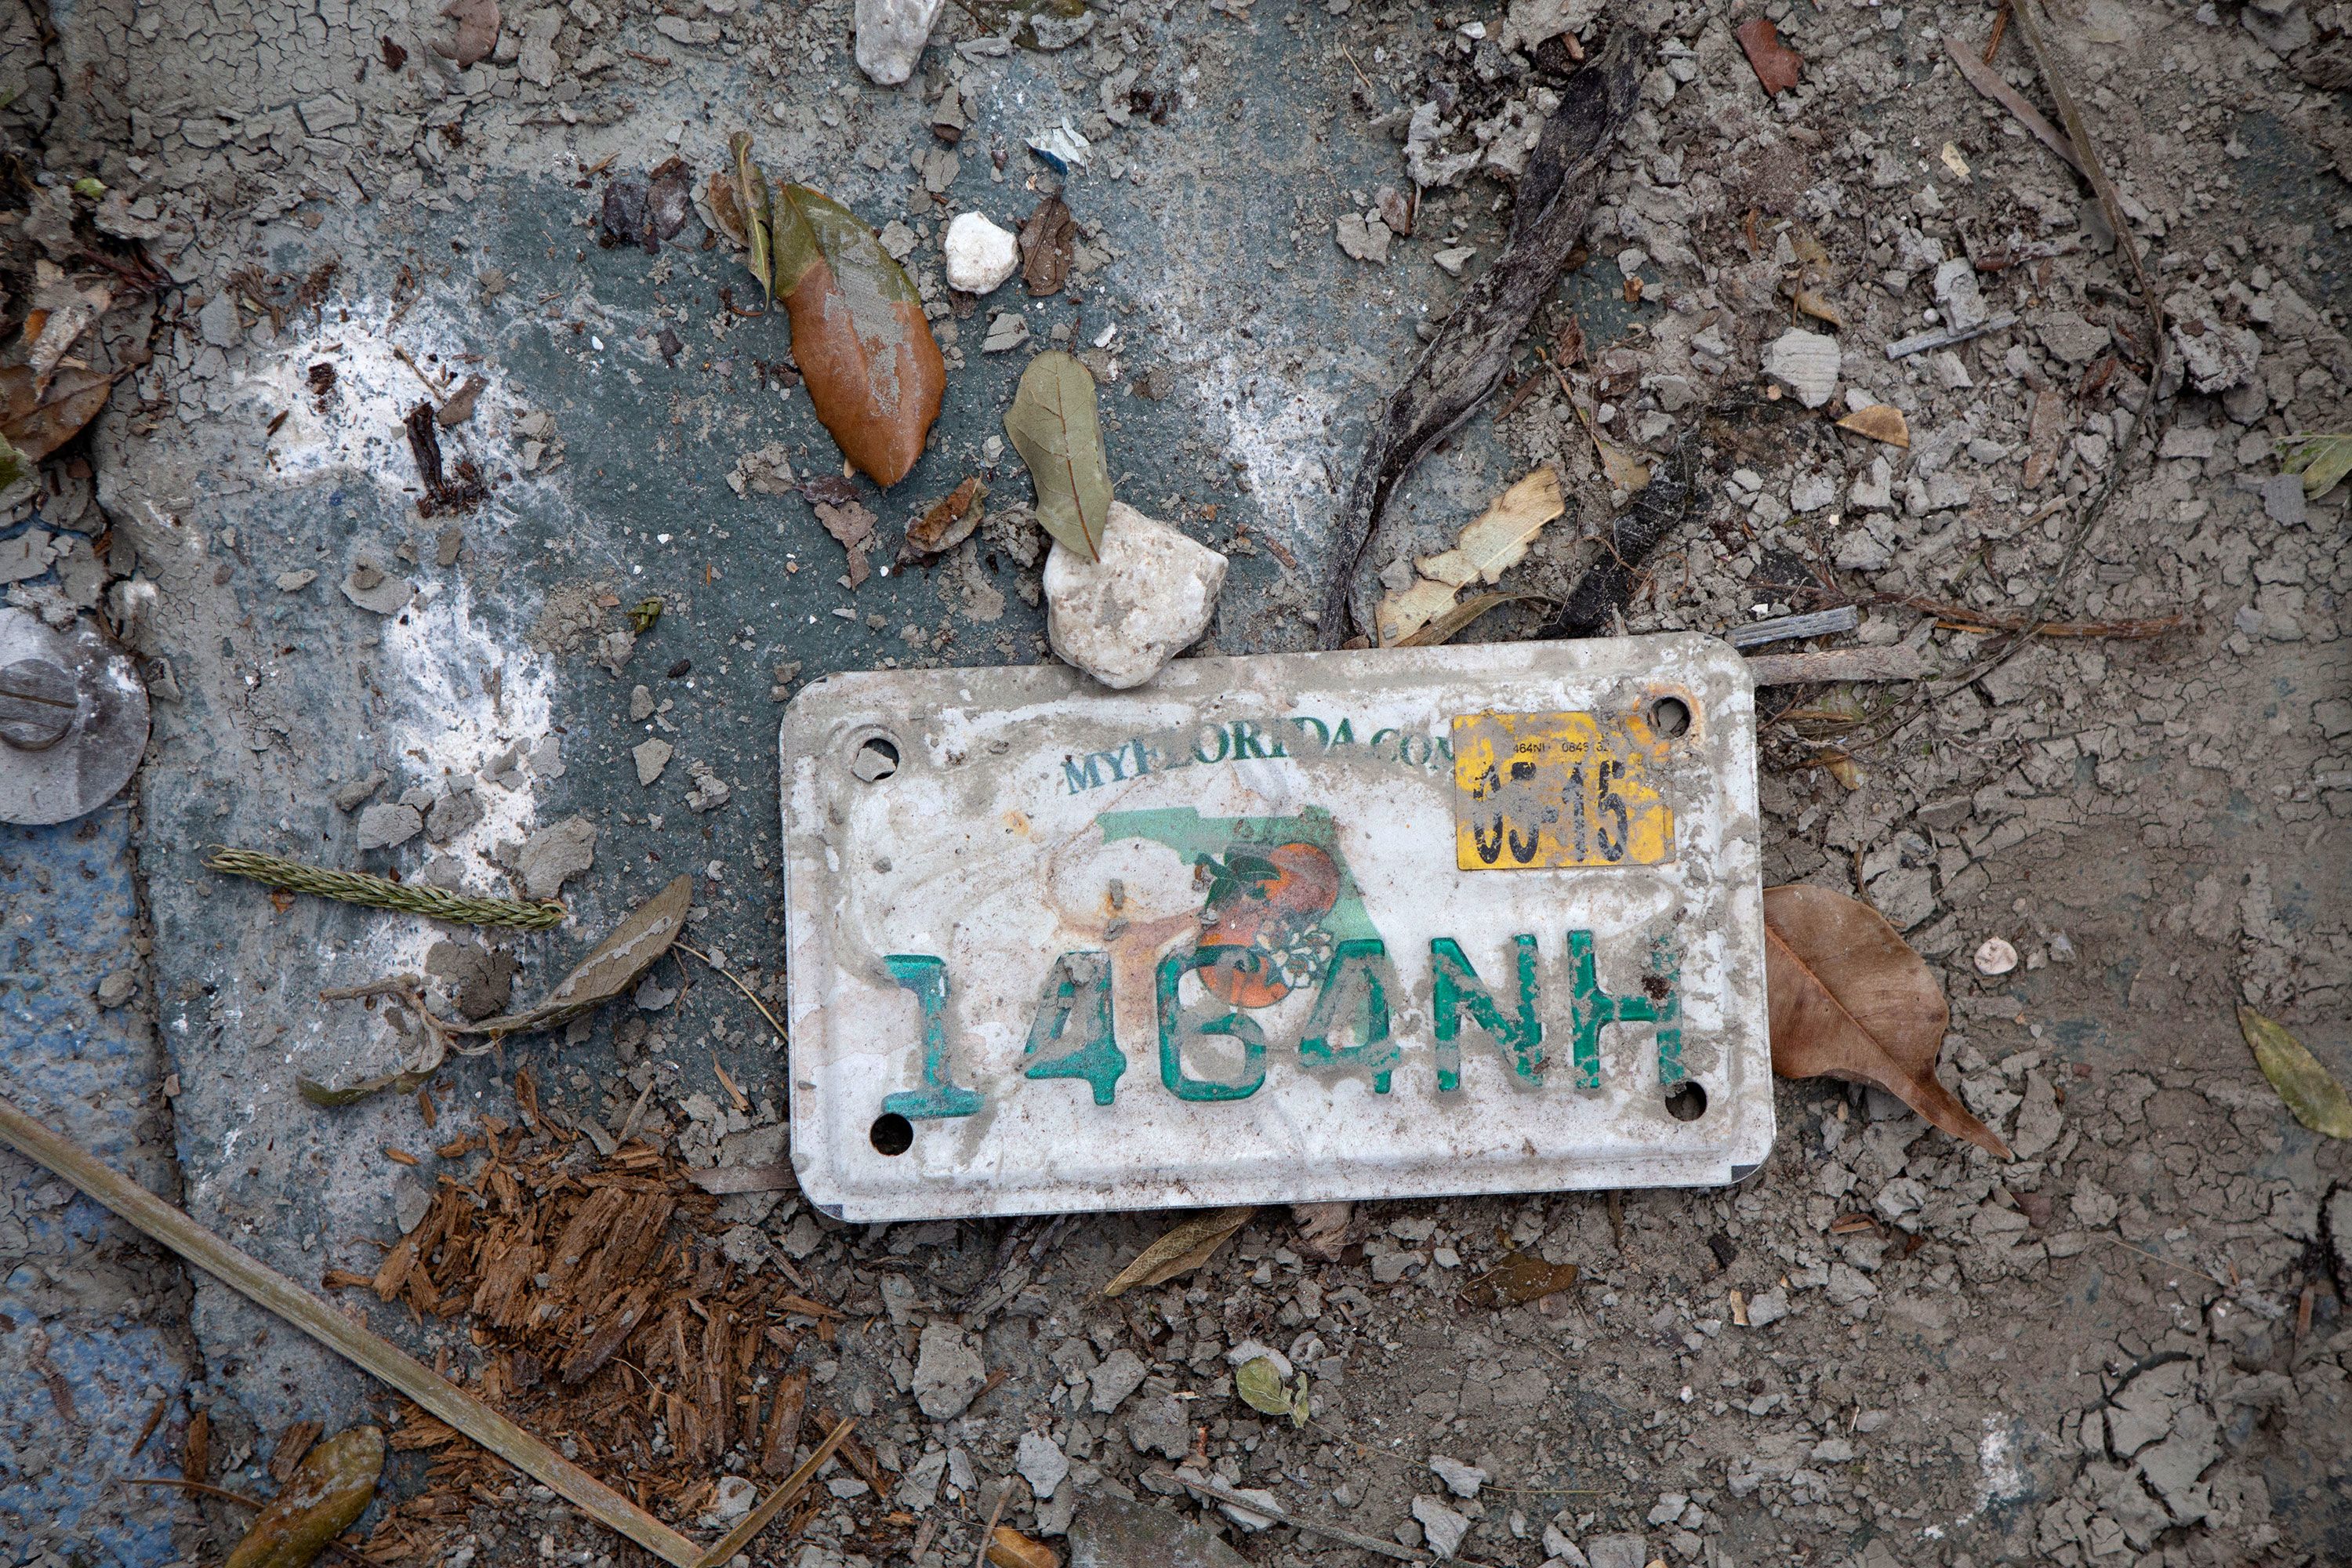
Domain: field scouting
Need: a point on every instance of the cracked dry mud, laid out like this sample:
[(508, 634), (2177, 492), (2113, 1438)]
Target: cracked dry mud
[(2129, 1346)]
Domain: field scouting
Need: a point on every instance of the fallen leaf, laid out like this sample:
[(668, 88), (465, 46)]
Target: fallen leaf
[(1008, 1548), (38, 423), (853, 525), (874, 372), (1850, 1000), (460, 405), (12, 466), (753, 205), (1774, 62), (1185, 1247), (725, 213), (1624, 470), (477, 33), (831, 488), (1517, 1280), (1444, 628), (330, 1096), (644, 614), (948, 522), (1498, 537), (1259, 1383), (669, 191), (1811, 302), (1405, 612), (1880, 422), (2045, 431), (332, 1487), (611, 968), (2306, 1086), (1048, 239), (1054, 426), (2322, 460), (1322, 1227)]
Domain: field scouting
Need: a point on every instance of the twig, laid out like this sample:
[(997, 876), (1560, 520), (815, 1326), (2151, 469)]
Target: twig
[(1947, 337), (735, 1540), (1372, 1543), (2030, 29), (2168, 1263), (435, 388), (1987, 82), (748, 994), (995, 1512), (370, 1352), (1783, 628)]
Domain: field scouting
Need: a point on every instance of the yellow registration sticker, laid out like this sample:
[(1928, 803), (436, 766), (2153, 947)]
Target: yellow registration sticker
[(1538, 789)]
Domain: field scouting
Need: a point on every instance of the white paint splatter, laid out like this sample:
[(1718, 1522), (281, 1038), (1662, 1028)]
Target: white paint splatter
[(1278, 430)]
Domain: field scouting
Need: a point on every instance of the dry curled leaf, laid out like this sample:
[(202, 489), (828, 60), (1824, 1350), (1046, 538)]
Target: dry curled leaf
[(1008, 1548), (1322, 1229), (864, 349), (1492, 544), (2322, 460), (2306, 1086), (946, 522), (476, 34), (1775, 64), (1880, 422), (330, 1489), (1054, 426), (1811, 303), (35, 423), (1048, 240), (1259, 1383), (611, 968), (1850, 1000), (752, 206), (1185, 1247), (1517, 1280), (853, 525), (1444, 628)]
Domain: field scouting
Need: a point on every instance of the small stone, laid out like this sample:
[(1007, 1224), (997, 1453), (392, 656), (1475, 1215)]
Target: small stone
[(1453, 259), (732, 1500), (1122, 618), (1445, 1527), (1365, 239), (1007, 330), (389, 823), (1807, 363), (295, 582), (1767, 1308), (1958, 293), (1116, 1533), (948, 1369), (1995, 956), (351, 796), (2070, 337), (1460, 1479), (1121, 1374), (641, 705), (2217, 357), (891, 35), (980, 255), (218, 321), (652, 757), (2282, 500), (453, 813), (708, 792), (1812, 491), (1157, 1426), (1041, 1462), (554, 856), (1874, 490), (370, 590), (1617, 1552), (409, 1202), (118, 988)]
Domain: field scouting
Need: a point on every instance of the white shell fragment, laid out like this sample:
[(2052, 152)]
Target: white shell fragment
[(980, 255), (1995, 956)]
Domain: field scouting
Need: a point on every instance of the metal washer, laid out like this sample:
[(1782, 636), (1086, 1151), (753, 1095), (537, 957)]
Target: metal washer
[(47, 776)]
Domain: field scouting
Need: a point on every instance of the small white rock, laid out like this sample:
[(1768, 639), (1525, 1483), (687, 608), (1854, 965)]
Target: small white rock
[(1995, 956), (1041, 1462), (1807, 363), (1446, 1528), (1123, 616), (731, 1501), (891, 35), (1460, 1479), (980, 256), (652, 756)]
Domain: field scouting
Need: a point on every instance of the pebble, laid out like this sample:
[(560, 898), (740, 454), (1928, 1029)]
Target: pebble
[(1121, 1374), (1122, 618), (1994, 955), (652, 756), (387, 824), (1119, 1533), (1041, 1463), (1446, 1528), (118, 988), (1463, 1480), (295, 582), (1807, 363), (554, 856), (891, 35), (980, 255), (370, 590), (947, 1372)]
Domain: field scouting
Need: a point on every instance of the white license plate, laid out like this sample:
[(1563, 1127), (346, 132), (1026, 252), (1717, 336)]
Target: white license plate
[(1283, 928)]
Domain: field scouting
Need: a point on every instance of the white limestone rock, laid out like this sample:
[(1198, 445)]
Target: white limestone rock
[(1123, 616), (891, 35), (1807, 363), (980, 255)]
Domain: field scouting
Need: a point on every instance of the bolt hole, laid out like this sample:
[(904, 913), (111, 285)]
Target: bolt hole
[(892, 1134), (1670, 718), (876, 759), (1687, 1101)]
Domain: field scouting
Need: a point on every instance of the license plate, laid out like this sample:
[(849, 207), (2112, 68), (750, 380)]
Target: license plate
[(1283, 928)]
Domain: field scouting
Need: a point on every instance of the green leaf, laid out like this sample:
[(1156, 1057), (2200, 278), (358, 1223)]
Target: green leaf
[(319, 1093), (1259, 1383), (326, 1494), (1298, 1403), (1053, 426), (2309, 1089), (2322, 460), (12, 464), (751, 204)]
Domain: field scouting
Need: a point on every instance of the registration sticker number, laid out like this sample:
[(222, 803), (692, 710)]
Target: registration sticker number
[(1546, 790)]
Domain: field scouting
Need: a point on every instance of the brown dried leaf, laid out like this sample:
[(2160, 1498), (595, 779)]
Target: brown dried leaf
[(1008, 1548), (1322, 1229), (331, 1489), (948, 522), (1517, 1280), (2045, 432), (1048, 241), (1058, 430), (1444, 628), (1850, 1000), (1880, 422), (853, 525), (1184, 1249), (1776, 64), (1811, 302), (611, 968), (475, 34), (863, 347), (38, 423)]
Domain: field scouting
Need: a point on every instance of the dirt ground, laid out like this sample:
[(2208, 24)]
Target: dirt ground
[(2127, 1345)]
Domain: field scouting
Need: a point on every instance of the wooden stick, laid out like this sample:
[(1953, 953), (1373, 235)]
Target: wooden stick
[(792, 1487), (370, 1352), (1990, 82), (1193, 1481)]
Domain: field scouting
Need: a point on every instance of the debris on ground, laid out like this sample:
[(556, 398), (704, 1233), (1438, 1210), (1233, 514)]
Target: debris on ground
[(1496, 541), (980, 255), (891, 35), (1148, 594), (323, 1496), (1054, 426), (2309, 1089)]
